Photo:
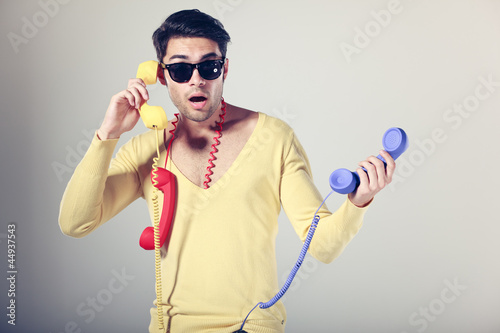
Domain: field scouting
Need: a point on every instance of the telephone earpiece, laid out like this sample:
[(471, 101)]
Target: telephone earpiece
[(152, 116)]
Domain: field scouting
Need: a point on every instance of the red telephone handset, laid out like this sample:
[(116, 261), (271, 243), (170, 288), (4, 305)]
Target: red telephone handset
[(154, 118), (166, 183)]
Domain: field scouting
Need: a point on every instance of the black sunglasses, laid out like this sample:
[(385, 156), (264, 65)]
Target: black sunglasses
[(181, 72)]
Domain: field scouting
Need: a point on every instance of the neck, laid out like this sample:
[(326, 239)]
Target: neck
[(194, 130)]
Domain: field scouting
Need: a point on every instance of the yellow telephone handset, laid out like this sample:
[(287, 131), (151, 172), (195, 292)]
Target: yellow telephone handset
[(152, 116)]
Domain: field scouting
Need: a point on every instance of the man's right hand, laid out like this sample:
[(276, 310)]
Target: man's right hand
[(123, 110)]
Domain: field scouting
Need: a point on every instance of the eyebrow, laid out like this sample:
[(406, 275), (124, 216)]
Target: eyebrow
[(184, 57)]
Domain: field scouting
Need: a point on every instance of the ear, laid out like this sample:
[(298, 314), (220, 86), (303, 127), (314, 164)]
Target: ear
[(160, 76), (226, 68)]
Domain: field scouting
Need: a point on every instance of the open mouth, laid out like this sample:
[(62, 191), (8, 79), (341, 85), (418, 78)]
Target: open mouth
[(197, 99), (198, 102)]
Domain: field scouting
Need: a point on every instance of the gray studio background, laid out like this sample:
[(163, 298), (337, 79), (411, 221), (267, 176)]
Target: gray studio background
[(340, 73)]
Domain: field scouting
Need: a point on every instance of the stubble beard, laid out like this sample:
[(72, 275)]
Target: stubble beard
[(197, 116)]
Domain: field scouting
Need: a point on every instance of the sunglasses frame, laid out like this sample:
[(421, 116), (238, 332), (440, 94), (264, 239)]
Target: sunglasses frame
[(193, 67)]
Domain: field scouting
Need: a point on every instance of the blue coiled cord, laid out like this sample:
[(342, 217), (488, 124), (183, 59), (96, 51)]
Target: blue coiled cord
[(295, 268)]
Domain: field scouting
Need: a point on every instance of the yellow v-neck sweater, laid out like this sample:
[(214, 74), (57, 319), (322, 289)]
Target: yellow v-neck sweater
[(220, 261)]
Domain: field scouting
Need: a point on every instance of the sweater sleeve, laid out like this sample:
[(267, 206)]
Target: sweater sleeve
[(99, 188), (300, 199)]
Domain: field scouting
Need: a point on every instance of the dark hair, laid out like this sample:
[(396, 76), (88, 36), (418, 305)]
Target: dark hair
[(190, 23)]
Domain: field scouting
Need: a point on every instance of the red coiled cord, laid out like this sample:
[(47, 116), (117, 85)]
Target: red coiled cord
[(174, 123), (218, 135)]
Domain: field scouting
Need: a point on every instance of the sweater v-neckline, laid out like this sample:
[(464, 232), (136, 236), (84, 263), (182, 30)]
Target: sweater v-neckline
[(237, 161)]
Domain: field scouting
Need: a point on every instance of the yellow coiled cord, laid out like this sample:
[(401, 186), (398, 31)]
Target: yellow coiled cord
[(156, 225)]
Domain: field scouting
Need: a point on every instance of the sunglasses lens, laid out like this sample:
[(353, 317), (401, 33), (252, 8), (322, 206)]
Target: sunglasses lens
[(210, 70), (180, 72)]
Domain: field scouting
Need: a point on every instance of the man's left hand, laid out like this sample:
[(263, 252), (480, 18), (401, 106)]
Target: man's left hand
[(376, 177)]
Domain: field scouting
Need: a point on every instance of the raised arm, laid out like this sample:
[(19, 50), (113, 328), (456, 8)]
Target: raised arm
[(99, 187)]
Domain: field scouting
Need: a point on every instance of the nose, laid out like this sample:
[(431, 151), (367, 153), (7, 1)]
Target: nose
[(196, 79)]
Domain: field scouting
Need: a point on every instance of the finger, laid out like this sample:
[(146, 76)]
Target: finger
[(135, 81), (130, 98), (364, 182), (140, 86), (381, 172), (138, 98), (372, 174), (125, 95), (391, 165)]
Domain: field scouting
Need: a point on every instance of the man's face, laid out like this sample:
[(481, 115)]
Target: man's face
[(198, 98)]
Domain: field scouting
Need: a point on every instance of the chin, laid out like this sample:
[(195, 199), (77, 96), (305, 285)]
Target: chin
[(198, 116)]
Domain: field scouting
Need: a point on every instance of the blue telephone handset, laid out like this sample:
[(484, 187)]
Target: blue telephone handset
[(342, 181), (395, 142)]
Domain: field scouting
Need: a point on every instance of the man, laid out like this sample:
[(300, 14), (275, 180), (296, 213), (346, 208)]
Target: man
[(220, 258)]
